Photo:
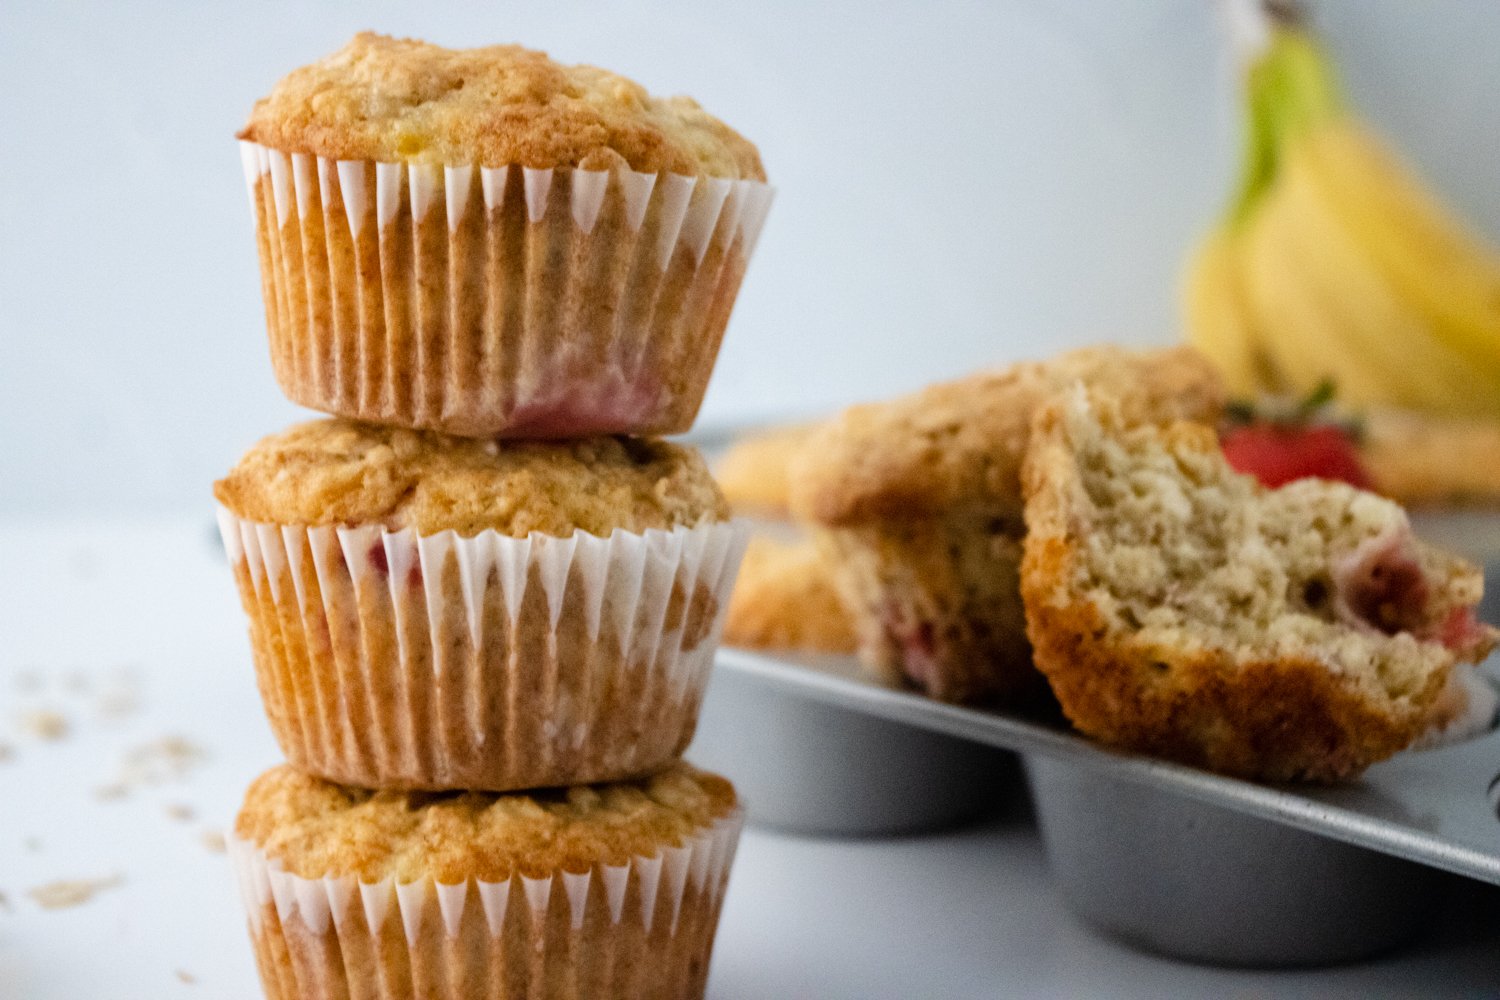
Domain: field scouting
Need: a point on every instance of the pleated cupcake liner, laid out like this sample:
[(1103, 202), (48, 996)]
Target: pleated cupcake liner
[(644, 927), (488, 301), (1467, 708), (391, 660)]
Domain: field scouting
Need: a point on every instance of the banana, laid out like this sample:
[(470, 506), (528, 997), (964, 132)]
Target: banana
[(1218, 321), (1292, 312), (1441, 267), (1334, 260), (1372, 340)]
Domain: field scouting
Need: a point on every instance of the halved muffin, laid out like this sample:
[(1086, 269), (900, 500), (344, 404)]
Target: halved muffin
[(1180, 609)]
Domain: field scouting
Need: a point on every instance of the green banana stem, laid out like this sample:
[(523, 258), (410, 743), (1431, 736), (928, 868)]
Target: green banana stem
[(1290, 88)]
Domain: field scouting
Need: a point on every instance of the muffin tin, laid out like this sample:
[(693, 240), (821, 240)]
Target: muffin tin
[(1166, 857), (810, 766)]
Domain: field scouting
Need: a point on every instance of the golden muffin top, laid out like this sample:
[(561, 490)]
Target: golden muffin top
[(383, 98), (343, 472), (957, 447), (316, 828)]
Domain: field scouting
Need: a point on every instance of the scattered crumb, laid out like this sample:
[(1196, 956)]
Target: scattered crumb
[(166, 759), (71, 892), (33, 844), (44, 724), (121, 696), (117, 703), (112, 792), (6, 752), (186, 976), (181, 812), (213, 840)]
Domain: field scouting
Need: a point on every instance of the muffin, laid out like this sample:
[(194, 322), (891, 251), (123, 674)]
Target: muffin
[(784, 599), (754, 471), (1421, 459), (485, 242), (603, 891), (431, 612), (917, 503), (1181, 609)]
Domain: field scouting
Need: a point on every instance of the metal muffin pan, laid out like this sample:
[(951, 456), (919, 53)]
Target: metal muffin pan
[(810, 766), (1170, 858), (1184, 878)]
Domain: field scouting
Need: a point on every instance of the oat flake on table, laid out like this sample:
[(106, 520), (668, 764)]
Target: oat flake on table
[(44, 724), (71, 892)]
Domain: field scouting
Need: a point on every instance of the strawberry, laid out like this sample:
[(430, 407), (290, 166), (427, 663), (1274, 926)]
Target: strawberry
[(1302, 443)]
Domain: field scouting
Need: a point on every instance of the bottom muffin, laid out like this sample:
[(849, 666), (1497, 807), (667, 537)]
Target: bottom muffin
[(592, 891)]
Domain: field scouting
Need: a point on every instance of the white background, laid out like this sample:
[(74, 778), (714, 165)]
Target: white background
[(959, 184)]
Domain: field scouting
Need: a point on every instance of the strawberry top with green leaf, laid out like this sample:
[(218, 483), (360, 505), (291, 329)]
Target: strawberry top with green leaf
[(1297, 443)]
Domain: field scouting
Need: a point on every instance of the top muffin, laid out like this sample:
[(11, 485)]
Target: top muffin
[(382, 98), (345, 472)]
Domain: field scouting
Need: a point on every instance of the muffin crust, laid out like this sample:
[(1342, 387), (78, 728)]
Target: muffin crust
[(344, 472), (316, 828), (960, 444), (785, 599), (383, 98), (754, 471)]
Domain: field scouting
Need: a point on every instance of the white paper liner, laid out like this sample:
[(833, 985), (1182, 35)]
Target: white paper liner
[(643, 927), (498, 300), (1469, 710), (390, 660)]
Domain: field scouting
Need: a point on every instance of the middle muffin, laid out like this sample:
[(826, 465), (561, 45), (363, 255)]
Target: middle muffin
[(432, 612)]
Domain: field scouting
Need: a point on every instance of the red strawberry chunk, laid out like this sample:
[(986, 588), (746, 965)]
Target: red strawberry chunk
[(1277, 454)]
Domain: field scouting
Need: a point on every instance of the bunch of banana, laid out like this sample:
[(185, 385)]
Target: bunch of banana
[(1334, 262)]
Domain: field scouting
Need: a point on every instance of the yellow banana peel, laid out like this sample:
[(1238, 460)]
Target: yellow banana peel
[(1335, 261)]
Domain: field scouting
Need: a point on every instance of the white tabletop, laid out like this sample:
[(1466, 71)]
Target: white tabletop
[(92, 618)]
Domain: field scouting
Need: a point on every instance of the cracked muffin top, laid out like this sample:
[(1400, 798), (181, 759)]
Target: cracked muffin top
[(958, 446), (316, 828), (383, 98), (342, 472)]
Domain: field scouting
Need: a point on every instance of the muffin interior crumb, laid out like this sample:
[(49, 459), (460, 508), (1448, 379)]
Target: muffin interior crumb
[(1187, 554)]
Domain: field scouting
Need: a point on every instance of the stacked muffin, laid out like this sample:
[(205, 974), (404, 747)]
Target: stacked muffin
[(483, 601)]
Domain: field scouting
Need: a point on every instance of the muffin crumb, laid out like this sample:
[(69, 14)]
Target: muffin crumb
[(72, 892), (44, 724)]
